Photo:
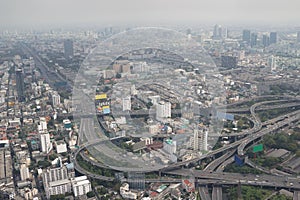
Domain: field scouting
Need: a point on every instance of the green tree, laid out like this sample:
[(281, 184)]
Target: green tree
[(90, 194)]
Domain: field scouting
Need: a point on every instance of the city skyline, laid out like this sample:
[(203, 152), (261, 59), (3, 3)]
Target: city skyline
[(37, 14)]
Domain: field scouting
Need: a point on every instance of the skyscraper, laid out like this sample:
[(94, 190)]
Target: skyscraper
[(68, 48), (273, 37), (253, 41), (246, 35), (203, 144), (20, 85), (266, 40), (217, 34), (46, 145)]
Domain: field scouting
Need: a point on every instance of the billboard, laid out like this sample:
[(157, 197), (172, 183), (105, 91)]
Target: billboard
[(258, 148), (100, 96), (106, 109)]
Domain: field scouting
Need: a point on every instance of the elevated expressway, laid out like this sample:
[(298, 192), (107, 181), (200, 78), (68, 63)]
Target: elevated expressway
[(207, 176)]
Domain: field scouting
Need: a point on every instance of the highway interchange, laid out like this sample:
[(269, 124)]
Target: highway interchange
[(213, 174)]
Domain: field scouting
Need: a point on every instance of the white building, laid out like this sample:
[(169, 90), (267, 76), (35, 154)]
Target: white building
[(272, 63), (163, 110), (55, 174), (61, 147), (42, 126), (58, 187), (126, 103), (133, 91), (199, 140), (81, 186), (126, 193), (195, 140), (56, 181), (55, 100), (203, 143), (24, 172), (46, 145)]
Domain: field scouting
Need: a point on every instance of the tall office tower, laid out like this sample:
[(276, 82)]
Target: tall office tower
[(298, 36), (46, 145), (126, 103), (20, 85), (195, 140), (272, 63), (68, 48), (55, 99), (217, 34), (273, 37), (203, 143), (246, 36), (253, 41), (225, 33), (163, 110), (266, 40)]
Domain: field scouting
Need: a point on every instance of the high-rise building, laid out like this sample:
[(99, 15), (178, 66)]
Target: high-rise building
[(46, 145), (298, 36), (273, 37), (81, 186), (266, 40), (55, 100), (217, 34), (204, 139), (228, 61), (246, 36), (253, 41), (68, 48), (58, 187), (55, 174), (20, 85), (24, 172), (272, 63), (163, 110), (42, 125), (195, 140)]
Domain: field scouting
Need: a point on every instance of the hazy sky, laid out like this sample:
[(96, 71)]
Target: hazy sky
[(48, 12)]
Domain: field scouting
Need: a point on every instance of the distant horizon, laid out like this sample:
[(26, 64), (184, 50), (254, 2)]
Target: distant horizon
[(95, 26), (46, 14)]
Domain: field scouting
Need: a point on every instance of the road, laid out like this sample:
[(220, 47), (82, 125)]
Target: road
[(224, 178), (204, 194)]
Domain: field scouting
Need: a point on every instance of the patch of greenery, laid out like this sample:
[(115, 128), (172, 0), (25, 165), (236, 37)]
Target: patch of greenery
[(241, 169), (249, 192)]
